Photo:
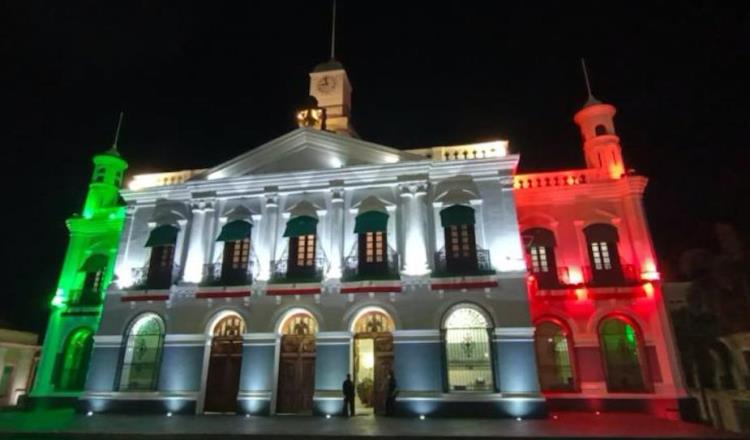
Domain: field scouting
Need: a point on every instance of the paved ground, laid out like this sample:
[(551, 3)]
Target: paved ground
[(63, 424)]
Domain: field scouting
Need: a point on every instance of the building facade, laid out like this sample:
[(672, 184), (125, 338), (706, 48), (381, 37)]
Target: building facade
[(257, 285), (19, 354)]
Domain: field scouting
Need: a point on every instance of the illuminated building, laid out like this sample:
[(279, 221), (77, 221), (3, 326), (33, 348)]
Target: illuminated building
[(19, 354), (256, 285)]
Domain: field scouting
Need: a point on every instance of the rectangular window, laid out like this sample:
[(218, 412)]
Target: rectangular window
[(374, 247), (539, 262), (306, 251), (239, 254), (600, 255)]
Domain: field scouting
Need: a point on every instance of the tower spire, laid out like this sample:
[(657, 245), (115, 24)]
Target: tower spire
[(333, 32), (113, 149), (591, 99)]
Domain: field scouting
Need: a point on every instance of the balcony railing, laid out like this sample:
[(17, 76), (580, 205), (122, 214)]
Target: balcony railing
[(142, 280), (85, 298), (627, 276), (388, 271), (483, 265), (213, 275), (280, 272)]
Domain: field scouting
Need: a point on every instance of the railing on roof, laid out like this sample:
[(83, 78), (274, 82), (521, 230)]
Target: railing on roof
[(558, 178)]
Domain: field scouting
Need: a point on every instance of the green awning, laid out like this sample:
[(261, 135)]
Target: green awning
[(457, 215), (302, 225), (371, 221), (95, 263), (236, 230), (163, 235)]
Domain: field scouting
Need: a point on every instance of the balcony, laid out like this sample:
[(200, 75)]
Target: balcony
[(142, 280), (388, 271), (628, 276), (214, 275), (481, 266), (85, 298), (281, 274)]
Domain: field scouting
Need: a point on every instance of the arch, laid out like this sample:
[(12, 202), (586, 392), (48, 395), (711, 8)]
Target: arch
[(468, 351), (600, 130), (466, 304), (372, 358), (357, 313), (540, 236), (141, 358), (217, 317), (72, 362), (553, 344), (601, 232), (592, 326), (292, 312), (623, 354)]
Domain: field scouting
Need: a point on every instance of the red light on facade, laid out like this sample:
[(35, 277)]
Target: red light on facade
[(581, 294), (648, 288)]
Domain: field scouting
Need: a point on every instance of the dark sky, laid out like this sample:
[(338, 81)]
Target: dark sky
[(201, 83)]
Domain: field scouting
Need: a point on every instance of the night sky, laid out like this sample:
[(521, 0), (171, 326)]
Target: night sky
[(201, 83)]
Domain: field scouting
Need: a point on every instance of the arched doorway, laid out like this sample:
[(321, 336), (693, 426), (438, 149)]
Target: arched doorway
[(373, 359), (468, 354), (553, 343), (224, 365), (623, 355), (73, 362), (297, 364)]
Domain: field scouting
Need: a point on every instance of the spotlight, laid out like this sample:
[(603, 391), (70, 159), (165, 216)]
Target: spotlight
[(328, 416), (597, 413), (554, 417), (518, 419), (169, 414), (90, 413), (247, 416), (421, 417)]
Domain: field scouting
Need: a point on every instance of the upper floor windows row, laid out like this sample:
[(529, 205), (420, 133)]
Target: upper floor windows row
[(604, 269)]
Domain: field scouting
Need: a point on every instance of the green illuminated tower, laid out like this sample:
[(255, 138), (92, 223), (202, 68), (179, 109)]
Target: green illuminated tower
[(86, 273)]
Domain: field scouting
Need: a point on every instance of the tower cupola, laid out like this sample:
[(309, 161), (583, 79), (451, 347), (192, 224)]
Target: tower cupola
[(601, 146), (106, 180)]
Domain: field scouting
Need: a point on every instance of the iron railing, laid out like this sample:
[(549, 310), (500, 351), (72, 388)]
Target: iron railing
[(443, 268), (213, 275), (85, 297), (387, 271), (280, 271), (626, 276), (143, 281)]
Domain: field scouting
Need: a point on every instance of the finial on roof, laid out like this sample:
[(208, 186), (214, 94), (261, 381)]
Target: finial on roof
[(591, 99), (333, 32), (113, 150)]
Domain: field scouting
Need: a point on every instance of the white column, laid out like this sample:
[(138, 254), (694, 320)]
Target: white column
[(179, 249), (267, 244), (123, 268), (337, 231), (414, 218), (193, 272)]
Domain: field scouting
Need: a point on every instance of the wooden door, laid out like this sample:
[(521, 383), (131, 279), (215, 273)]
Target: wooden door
[(223, 380), (296, 374), (383, 365)]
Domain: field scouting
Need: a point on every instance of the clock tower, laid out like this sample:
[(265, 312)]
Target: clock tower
[(330, 85)]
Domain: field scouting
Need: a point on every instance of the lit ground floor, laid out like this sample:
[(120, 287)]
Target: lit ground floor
[(68, 425)]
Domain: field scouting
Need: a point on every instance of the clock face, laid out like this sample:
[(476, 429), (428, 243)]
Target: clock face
[(326, 84)]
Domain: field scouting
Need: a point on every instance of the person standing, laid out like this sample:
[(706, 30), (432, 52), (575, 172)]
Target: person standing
[(390, 401), (348, 389)]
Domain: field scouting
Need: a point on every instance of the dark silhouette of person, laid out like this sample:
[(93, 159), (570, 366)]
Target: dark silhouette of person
[(390, 401), (348, 389)]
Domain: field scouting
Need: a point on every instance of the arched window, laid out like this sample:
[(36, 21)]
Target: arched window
[(623, 355), (554, 359), (72, 363), (467, 349), (302, 232), (142, 354), (93, 282), (460, 239), (541, 256), (601, 242), (162, 242), (235, 266), (372, 256), (600, 130)]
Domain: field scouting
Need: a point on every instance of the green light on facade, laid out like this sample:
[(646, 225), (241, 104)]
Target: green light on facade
[(93, 237)]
